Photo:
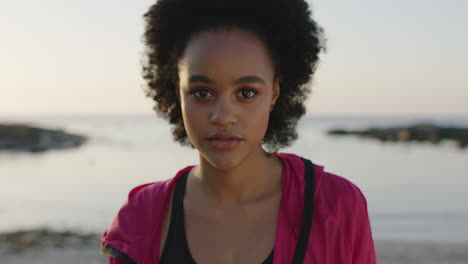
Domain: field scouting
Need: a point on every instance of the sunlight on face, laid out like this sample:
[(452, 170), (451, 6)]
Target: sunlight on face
[(226, 89)]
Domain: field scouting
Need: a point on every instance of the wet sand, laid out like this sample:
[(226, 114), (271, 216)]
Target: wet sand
[(48, 247)]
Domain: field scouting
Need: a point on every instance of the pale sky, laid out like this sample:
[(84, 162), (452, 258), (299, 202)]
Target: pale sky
[(384, 57)]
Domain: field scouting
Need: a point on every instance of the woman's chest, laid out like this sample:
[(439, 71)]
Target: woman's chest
[(239, 236)]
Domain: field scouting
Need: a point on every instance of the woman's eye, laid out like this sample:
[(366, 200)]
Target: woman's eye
[(247, 93), (202, 93)]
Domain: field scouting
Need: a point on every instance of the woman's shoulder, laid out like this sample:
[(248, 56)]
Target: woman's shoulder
[(153, 195), (341, 187), (342, 209), (151, 191), (334, 193), (339, 197), (141, 211), (327, 183)]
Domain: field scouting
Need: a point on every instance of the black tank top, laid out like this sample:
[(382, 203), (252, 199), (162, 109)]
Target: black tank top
[(176, 247)]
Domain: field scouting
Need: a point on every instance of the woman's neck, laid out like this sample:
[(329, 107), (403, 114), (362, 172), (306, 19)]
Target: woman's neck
[(256, 177)]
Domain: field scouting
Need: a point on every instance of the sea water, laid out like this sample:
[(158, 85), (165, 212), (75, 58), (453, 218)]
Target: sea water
[(415, 191)]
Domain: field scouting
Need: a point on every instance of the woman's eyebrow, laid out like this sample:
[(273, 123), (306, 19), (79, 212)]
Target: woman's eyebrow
[(241, 80), (200, 78), (249, 79)]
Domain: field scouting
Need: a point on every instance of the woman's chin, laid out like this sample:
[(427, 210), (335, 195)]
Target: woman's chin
[(223, 160)]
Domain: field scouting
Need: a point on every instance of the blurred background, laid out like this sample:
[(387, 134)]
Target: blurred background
[(75, 65)]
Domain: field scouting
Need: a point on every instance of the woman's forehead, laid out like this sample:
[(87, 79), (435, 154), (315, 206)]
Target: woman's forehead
[(232, 53)]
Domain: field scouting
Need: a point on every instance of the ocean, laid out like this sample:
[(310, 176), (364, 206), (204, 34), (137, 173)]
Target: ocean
[(415, 191)]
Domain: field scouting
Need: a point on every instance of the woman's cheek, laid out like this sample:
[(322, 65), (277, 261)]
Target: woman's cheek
[(191, 118), (258, 123)]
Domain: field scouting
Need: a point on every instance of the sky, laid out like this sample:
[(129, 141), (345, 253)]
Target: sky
[(384, 57)]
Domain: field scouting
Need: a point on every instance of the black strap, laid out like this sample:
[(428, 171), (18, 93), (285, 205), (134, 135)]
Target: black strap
[(117, 254), (176, 248), (306, 225)]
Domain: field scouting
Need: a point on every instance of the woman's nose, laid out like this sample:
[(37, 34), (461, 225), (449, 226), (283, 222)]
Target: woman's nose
[(223, 113)]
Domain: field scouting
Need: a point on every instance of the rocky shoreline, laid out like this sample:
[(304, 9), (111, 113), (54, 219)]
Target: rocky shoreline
[(46, 246), (415, 133), (28, 138), (23, 240)]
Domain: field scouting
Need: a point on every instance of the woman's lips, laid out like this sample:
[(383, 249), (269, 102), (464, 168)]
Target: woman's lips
[(224, 144)]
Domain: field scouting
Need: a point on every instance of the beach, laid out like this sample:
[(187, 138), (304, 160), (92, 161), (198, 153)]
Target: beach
[(49, 247)]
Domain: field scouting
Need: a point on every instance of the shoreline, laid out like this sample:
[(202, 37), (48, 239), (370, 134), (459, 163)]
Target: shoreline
[(46, 246)]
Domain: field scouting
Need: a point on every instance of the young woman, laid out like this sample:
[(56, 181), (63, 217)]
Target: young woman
[(231, 77)]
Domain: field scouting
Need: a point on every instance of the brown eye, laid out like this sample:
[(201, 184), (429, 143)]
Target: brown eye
[(247, 93), (201, 93)]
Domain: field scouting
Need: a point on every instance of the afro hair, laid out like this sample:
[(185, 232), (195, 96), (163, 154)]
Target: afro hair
[(293, 39)]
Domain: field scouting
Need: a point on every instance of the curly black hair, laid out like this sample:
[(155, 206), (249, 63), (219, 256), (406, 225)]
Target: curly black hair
[(293, 39)]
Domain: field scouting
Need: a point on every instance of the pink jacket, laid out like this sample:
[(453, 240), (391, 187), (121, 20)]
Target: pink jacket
[(340, 233)]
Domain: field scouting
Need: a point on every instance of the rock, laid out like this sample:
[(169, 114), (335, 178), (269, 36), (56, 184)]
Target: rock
[(419, 133), (19, 241), (20, 137)]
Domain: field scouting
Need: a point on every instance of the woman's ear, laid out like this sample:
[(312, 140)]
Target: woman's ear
[(276, 90)]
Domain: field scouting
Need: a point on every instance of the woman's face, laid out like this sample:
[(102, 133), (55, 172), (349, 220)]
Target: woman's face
[(226, 89)]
